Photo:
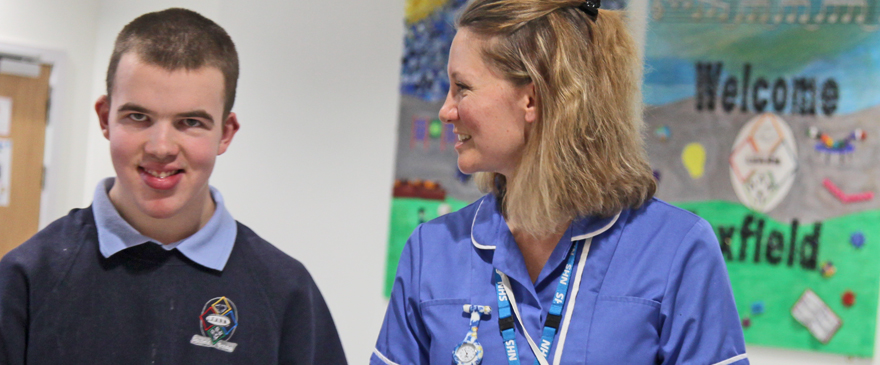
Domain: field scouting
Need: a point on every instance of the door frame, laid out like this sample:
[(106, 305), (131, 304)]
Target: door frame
[(51, 202)]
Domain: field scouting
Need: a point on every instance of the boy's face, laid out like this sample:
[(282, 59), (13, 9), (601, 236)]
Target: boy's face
[(165, 130)]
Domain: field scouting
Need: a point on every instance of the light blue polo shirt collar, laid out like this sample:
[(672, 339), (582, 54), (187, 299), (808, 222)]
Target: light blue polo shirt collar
[(489, 231), (209, 247)]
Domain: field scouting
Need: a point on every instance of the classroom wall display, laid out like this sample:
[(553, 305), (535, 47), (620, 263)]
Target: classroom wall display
[(762, 118), (427, 182)]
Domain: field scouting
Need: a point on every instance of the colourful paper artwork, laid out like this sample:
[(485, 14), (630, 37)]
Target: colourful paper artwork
[(782, 97)]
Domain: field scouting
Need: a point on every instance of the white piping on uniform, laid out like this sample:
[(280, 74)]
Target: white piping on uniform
[(596, 232), (383, 358), (474, 240), (575, 238), (576, 285), (574, 293), (732, 360)]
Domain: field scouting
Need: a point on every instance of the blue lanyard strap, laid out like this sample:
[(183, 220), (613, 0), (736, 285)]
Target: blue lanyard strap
[(554, 317), (505, 322), (551, 324)]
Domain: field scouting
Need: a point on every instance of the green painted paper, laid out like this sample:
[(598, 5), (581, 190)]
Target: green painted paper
[(404, 220), (779, 286)]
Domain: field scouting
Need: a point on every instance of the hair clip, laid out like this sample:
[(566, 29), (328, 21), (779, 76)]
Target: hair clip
[(591, 8)]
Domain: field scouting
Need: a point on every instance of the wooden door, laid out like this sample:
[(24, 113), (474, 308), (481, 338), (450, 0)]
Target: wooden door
[(20, 214)]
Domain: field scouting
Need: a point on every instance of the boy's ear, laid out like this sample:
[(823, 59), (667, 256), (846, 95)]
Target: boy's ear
[(230, 126), (102, 107)]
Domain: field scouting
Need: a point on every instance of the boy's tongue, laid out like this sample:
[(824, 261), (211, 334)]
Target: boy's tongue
[(161, 180)]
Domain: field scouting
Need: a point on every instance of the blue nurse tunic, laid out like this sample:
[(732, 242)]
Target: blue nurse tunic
[(654, 291)]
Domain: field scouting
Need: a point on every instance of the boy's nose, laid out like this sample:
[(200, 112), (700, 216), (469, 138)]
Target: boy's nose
[(161, 143)]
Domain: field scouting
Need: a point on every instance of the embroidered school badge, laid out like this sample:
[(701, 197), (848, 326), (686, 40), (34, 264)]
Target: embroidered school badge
[(219, 320)]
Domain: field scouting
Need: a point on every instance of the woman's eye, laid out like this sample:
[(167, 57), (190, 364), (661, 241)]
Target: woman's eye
[(192, 123), (137, 117)]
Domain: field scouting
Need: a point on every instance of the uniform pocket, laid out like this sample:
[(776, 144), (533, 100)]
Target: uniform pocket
[(447, 325), (625, 330)]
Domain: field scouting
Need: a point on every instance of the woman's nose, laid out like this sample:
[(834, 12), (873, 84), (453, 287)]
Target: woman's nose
[(449, 111)]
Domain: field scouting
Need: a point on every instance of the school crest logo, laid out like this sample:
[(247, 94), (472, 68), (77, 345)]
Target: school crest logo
[(219, 320)]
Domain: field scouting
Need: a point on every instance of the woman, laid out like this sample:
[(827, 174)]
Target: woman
[(569, 259)]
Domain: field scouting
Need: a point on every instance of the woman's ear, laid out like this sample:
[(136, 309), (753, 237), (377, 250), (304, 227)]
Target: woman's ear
[(530, 100)]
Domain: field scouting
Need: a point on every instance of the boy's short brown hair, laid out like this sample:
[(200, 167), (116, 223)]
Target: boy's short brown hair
[(178, 39)]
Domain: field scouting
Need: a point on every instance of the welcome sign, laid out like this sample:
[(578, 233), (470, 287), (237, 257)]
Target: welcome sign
[(763, 119)]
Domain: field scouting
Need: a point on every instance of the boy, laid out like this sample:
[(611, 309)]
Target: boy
[(157, 270)]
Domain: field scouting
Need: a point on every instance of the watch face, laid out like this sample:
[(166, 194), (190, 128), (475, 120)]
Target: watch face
[(466, 352)]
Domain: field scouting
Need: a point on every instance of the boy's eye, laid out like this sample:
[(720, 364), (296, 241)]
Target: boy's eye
[(137, 117), (192, 123)]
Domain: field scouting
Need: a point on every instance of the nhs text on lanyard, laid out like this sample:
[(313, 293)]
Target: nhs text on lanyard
[(554, 317)]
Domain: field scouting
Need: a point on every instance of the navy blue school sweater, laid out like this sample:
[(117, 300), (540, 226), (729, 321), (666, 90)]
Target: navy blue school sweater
[(62, 302)]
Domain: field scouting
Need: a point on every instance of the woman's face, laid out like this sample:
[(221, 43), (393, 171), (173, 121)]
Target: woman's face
[(489, 113)]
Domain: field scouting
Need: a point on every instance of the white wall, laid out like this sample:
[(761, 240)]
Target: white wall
[(64, 30), (311, 168)]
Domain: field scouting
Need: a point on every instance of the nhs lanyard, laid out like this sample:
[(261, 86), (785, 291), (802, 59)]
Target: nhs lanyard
[(554, 317)]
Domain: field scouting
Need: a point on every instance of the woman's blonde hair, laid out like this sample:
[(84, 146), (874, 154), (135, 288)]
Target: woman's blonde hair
[(585, 154)]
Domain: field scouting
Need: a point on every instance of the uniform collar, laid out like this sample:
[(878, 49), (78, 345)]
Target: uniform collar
[(489, 231), (209, 247)]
